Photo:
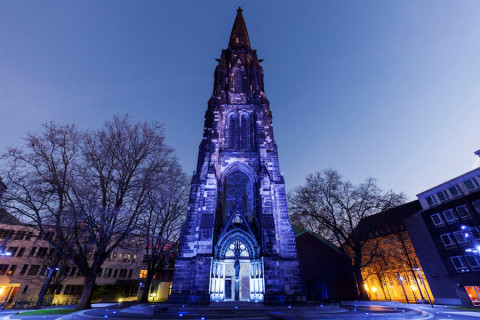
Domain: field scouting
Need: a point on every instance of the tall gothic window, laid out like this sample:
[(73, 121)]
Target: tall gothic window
[(245, 136), (236, 78), (238, 194), (239, 81), (233, 132)]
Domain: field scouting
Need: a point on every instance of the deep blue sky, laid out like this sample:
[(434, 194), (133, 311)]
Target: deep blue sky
[(388, 89)]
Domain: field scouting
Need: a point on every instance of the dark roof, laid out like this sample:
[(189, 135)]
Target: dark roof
[(7, 218), (392, 217), (300, 231), (239, 36)]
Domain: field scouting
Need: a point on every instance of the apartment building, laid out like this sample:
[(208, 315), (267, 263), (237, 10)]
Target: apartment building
[(447, 238), (26, 261)]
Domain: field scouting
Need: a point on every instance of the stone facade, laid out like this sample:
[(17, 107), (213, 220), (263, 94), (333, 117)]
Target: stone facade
[(237, 224)]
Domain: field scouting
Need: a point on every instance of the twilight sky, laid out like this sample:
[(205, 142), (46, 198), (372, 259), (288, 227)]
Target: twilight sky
[(388, 89)]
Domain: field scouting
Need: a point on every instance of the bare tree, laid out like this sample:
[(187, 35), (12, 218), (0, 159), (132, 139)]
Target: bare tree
[(161, 222), (87, 187), (332, 207)]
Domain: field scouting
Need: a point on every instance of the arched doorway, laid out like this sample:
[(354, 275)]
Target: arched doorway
[(237, 268), (237, 271)]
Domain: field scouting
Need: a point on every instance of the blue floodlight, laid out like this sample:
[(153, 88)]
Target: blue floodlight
[(463, 227)]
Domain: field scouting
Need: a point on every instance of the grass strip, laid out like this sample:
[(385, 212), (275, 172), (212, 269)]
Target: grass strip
[(46, 312), (466, 309)]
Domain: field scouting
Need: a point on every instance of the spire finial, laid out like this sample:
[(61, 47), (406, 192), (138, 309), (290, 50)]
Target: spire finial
[(239, 35)]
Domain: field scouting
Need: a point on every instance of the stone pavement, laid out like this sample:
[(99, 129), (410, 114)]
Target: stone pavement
[(250, 311), (347, 310)]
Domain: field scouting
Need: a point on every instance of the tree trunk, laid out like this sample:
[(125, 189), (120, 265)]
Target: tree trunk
[(86, 297), (146, 287), (362, 293)]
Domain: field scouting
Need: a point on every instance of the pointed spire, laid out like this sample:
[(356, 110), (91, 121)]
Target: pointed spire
[(222, 63), (239, 35)]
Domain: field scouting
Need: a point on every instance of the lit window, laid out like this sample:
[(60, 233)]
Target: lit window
[(463, 212), (442, 195), (447, 240), (471, 184), (12, 270), (143, 274), (472, 292), (459, 263), (449, 215), (437, 220), (460, 237)]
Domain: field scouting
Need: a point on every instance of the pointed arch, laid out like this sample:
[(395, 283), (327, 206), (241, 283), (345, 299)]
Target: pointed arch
[(238, 165), (238, 85), (236, 234), (237, 191), (238, 196), (232, 137), (245, 132)]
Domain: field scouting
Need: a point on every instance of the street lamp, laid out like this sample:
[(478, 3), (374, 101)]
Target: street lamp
[(400, 278), (469, 235), (3, 246), (424, 286)]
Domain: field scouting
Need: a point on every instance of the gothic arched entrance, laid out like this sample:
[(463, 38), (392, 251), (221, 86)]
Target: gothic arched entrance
[(237, 267), (237, 271)]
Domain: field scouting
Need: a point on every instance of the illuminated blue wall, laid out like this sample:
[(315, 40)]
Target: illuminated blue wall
[(237, 173)]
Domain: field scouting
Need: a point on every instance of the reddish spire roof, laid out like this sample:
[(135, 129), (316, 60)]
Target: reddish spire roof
[(239, 35)]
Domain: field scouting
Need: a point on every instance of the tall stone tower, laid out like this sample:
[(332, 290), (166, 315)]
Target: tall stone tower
[(237, 243)]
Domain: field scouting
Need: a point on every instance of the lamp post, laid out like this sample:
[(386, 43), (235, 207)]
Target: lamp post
[(3, 246), (424, 286), (51, 271), (400, 278)]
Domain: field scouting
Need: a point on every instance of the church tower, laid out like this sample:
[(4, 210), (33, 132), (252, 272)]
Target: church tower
[(237, 243)]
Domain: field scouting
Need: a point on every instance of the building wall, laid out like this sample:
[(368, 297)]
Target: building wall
[(451, 218), (443, 287), (395, 273), (23, 273), (326, 272)]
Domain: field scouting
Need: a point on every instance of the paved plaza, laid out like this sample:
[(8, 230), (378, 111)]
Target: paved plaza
[(350, 310)]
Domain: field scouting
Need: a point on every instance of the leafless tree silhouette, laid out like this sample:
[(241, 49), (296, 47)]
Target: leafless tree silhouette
[(89, 187), (333, 207)]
